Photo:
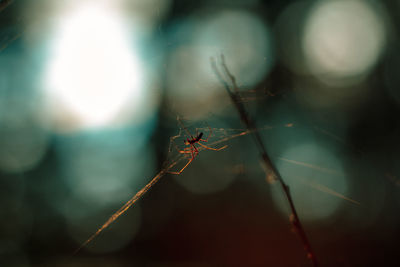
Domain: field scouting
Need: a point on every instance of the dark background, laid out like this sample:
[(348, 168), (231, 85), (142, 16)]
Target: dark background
[(332, 129)]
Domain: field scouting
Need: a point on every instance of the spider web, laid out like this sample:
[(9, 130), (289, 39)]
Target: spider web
[(214, 136), (173, 159), (217, 136)]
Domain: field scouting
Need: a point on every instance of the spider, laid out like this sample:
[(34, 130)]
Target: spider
[(192, 149)]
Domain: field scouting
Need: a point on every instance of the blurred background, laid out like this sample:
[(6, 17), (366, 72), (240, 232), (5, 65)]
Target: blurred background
[(90, 92)]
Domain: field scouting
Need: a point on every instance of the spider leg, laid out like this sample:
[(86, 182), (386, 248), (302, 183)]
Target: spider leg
[(186, 150), (193, 150), (209, 134), (184, 167), (196, 152), (211, 148)]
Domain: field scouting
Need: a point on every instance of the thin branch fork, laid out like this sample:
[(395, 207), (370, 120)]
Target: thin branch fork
[(250, 125)]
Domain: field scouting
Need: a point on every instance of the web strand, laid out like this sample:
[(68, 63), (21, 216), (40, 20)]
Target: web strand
[(129, 203), (223, 135)]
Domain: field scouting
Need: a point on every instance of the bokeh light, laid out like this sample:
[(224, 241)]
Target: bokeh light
[(102, 170), (104, 166), (146, 13), (89, 95), (241, 36), (214, 177), (23, 139), (343, 40), (94, 76), (312, 173)]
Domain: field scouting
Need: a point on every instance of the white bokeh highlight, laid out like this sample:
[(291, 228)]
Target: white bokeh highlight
[(94, 71), (343, 39)]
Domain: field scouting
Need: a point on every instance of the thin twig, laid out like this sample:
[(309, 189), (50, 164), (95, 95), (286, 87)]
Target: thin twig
[(250, 125)]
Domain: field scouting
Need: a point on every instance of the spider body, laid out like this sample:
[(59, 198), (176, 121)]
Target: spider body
[(194, 140), (192, 149)]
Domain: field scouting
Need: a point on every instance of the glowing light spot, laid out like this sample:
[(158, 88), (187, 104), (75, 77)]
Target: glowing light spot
[(215, 177), (343, 39), (241, 36), (99, 166), (22, 146), (93, 74), (101, 170), (23, 140), (318, 187)]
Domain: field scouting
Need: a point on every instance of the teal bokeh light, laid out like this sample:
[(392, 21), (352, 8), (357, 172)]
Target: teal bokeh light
[(23, 139), (316, 179), (242, 36)]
